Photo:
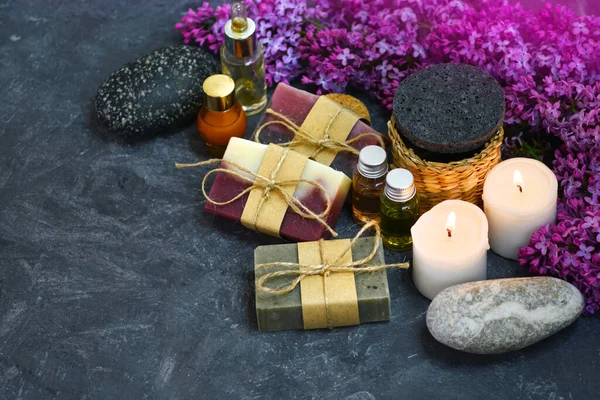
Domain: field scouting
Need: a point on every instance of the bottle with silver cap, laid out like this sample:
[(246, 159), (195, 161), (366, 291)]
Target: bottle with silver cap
[(221, 116), (399, 209), (368, 182), (243, 58)]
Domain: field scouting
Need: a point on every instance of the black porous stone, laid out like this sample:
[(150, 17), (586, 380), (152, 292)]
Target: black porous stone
[(449, 108), (156, 93)]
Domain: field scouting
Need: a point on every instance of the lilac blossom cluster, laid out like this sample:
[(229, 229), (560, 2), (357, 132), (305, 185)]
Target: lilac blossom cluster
[(569, 250), (370, 45), (548, 62)]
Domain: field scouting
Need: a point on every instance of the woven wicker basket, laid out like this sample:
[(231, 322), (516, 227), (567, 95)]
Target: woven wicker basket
[(437, 181)]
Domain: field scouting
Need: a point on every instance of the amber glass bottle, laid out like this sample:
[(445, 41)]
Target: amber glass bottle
[(367, 183), (221, 117), (399, 209)]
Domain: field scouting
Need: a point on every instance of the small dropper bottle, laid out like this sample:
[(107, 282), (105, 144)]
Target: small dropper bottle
[(367, 183), (243, 58), (221, 116), (399, 209)]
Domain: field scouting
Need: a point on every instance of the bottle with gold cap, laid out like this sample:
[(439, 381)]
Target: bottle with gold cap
[(221, 116), (243, 58)]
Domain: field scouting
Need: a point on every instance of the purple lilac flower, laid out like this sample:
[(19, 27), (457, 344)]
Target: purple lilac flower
[(579, 261)]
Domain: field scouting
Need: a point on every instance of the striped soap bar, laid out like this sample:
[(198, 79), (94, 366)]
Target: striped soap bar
[(296, 105), (293, 227)]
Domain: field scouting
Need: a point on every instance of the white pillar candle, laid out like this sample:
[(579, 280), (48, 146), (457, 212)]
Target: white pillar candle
[(519, 196), (450, 244)]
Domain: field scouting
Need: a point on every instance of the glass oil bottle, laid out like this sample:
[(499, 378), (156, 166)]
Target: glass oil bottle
[(243, 58), (399, 209), (367, 183), (221, 116)]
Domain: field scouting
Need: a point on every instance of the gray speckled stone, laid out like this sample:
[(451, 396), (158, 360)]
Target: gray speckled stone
[(502, 315), (449, 108), (159, 91)]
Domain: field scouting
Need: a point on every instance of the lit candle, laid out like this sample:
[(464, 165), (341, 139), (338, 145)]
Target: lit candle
[(450, 244), (519, 196)]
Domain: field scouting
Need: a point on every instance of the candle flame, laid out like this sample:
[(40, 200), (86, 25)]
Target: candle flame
[(518, 180), (451, 223)]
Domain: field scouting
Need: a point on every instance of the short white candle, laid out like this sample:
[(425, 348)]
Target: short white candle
[(450, 244), (519, 196)]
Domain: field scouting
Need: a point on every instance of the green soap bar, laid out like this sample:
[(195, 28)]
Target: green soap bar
[(284, 312)]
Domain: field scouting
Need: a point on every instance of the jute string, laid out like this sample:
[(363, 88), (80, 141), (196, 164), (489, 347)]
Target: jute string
[(327, 309), (301, 271), (269, 184), (324, 143)]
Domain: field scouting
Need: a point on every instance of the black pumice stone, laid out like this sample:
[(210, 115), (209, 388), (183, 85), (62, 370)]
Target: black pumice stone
[(449, 108), (156, 93)]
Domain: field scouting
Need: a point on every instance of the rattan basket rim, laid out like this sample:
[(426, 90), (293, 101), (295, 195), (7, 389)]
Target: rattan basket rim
[(487, 153)]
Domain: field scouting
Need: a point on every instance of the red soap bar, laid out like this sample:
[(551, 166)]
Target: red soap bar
[(295, 104), (293, 227)]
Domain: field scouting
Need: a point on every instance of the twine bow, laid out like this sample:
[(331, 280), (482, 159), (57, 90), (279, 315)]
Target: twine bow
[(300, 271), (270, 185), (324, 143)]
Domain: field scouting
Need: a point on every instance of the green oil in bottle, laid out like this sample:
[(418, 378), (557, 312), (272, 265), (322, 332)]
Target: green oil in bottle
[(399, 210)]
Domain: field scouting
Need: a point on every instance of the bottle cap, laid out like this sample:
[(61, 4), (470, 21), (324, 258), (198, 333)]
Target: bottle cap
[(372, 162), (239, 32), (400, 185), (219, 92)]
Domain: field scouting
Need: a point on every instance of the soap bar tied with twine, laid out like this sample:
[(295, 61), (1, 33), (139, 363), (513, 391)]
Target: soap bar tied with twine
[(324, 132), (325, 272), (271, 190)]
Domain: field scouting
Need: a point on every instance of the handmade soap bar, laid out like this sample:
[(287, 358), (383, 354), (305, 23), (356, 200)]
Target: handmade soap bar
[(294, 227), (277, 312), (296, 105)]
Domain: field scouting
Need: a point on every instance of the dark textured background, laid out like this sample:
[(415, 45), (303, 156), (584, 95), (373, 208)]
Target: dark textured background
[(115, 284)]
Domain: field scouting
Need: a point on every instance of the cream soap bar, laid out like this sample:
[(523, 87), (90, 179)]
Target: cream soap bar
[(293, 227)]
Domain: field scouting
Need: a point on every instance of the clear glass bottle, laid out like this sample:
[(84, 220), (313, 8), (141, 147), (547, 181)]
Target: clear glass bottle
[(243, 58), (221, 116), (399, 209), (367, 183)]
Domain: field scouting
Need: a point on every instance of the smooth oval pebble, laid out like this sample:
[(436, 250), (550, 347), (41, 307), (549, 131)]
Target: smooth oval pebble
[(502, 315), (156, 93)]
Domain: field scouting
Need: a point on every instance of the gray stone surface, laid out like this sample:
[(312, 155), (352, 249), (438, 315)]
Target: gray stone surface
[(502, 315), (114, 284), (449, 108), (156, 93)]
